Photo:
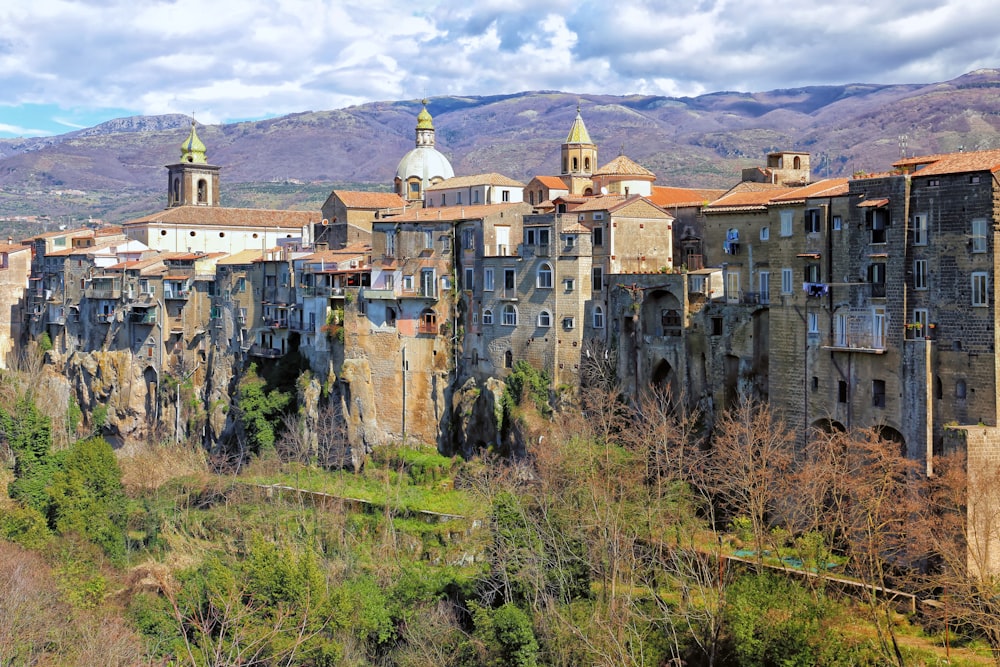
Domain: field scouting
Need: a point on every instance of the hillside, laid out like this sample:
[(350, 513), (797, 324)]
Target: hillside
[(115, 170)]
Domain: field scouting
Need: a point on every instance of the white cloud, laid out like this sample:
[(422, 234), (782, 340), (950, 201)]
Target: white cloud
[(243, 59)]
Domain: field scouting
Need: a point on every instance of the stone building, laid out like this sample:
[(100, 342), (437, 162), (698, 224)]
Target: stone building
[(348, 216), (15, 271)]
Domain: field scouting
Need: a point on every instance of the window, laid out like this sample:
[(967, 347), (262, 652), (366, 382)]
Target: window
[(716, 326), (241, 284), (475, 196), (841, 391), (509, 315), (390, 244), (458, 198), (920, 230), (599, 215), (508, 359), (529, 237), (597, 279), (813, 322), (786, 223), (876, 276), (427, 287), (570, 240), (838, 223), (878, 393), (920, 320), (979, 235), (544, 280), (811, 273), (389, 281), (487, 316), (468, 283), (960, 389), (765, 233), (408, 283), (920, 274), (840, 331), (765, 286), (598, 318), (444, 199), (545, 319), (469, 239), (878, 327), (732, 287), (786, 281), (877, 219), (505, 195), (569, 323), (812, 221), (597, 236), (475, 317), (570, 284), (488, 279), (428, 239), (979, 286), (508, 279)]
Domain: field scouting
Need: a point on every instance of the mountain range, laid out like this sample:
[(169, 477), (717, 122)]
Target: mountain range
[(115, 170)]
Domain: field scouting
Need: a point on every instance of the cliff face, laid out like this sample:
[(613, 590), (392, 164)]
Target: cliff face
[(112, 383)]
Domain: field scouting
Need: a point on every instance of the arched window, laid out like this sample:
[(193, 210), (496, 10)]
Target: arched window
[(796, 163), (576, 163), (177, 189), (508, 359), (564, 166), (586, 163), (202, 191), (598, 317), (545, 319), (545, 276), (487, 316), (531, 197), (960, 389), (509, 315)]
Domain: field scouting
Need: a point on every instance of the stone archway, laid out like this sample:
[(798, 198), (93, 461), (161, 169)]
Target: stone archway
[(664, 379)]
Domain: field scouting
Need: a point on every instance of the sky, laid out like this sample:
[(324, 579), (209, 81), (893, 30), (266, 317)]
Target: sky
[(70, 64)]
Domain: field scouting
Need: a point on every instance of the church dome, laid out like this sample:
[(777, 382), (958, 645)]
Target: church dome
[(424, 162)]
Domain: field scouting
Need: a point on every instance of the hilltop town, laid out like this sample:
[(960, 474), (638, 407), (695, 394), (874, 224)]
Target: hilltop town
[(844, 303)]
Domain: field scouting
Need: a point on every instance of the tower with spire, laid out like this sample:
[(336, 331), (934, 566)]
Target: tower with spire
[(192, 181), (423, 166), (579, 157)]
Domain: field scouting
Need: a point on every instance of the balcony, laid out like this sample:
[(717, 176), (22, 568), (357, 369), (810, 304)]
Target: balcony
[(265, 352), (176, 295), (109, 293), (277, 324), (321, 290), (427, 328), (104, 318), (147, 317), (379, 294), (865, 343), (415, 294)]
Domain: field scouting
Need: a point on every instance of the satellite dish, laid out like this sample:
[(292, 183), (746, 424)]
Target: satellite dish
[(604, 190)]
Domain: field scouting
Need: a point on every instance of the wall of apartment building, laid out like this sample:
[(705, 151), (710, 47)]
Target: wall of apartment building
[(641, 239), (14, 273)]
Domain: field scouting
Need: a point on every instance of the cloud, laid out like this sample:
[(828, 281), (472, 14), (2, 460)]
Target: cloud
[(236, 59)]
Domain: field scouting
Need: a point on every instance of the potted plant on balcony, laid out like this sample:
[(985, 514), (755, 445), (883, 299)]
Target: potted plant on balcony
[(913, 330)]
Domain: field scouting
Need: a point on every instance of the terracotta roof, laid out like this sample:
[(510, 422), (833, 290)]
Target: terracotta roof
[(242, 257), (472, 181), (453, 212), (951, 163), (217, 216), (349, 252), (574, 228), (873, 203), (13, 247), (624, 166), (108, 231), (357, 199), (79, 232), (832, 187), (552, 182), (746, 200), (598, 203), (665, 197)]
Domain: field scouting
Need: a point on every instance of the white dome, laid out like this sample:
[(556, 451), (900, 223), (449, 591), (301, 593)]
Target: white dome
[(426, 162)]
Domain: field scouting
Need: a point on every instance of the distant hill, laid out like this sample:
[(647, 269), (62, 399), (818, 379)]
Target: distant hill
[(115, 170)]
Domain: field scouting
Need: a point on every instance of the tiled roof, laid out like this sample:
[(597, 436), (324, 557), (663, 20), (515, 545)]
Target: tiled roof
[(242, 257), (552, 182), (357, 199), (832, 187), (598, 203), (624, 166), (13, 247), (746, 200), (578, 132), (79, 232), (453, 212), (951, 163), (574, 228), (472, 181), (348, 252), (217, 216), (665, 197)]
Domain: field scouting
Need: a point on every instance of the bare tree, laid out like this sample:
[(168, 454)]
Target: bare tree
[(751, 453)]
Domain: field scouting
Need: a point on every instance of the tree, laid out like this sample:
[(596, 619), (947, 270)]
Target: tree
[(258, 409), (751, 455), (29, 435)]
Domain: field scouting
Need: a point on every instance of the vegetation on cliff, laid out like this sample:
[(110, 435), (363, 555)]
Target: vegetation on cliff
[(625, 536)]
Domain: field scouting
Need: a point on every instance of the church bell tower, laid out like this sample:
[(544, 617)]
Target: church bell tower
[(192, 181)]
